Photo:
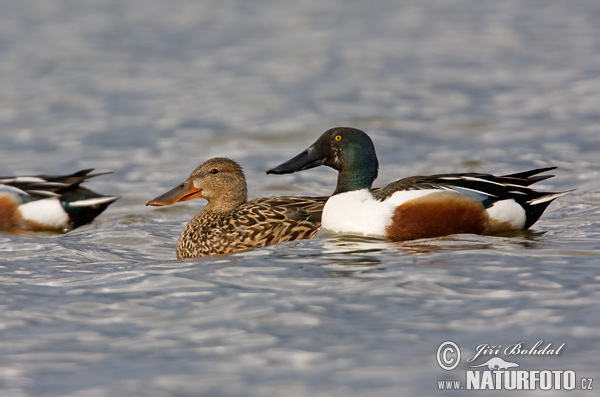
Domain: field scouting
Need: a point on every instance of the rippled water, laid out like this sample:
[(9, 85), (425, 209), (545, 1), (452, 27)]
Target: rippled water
[(150, 89)]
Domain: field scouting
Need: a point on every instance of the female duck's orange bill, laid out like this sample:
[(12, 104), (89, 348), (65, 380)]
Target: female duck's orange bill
[(183, 192)]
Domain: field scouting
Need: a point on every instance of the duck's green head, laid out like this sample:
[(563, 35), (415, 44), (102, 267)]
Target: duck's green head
[(348, 150)]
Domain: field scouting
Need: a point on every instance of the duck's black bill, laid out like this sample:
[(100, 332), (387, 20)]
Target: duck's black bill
[(310, 158)]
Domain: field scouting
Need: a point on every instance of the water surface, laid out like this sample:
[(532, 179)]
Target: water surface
[(150, 89)]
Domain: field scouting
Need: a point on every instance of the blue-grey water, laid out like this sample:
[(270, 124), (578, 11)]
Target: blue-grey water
[(150, 89)]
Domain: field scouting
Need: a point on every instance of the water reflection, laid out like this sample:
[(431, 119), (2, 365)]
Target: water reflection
[(348, 244), (108, 306)]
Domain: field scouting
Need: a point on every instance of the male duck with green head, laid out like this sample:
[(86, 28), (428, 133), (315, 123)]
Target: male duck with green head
[(418, 206)]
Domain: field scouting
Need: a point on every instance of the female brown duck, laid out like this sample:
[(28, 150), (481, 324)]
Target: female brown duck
[(229, 223)]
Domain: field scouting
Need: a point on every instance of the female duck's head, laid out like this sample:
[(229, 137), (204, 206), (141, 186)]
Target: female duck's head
[(219, 180)]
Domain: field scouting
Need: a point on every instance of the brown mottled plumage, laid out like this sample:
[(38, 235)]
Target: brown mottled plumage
[(229, 223)]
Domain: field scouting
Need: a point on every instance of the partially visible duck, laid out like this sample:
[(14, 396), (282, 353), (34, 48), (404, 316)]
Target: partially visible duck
[(418, 206), (49, 202), (229, 223)]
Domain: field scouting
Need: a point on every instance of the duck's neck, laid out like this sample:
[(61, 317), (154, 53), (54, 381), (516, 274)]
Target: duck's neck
[(226, 202), (359, 173)]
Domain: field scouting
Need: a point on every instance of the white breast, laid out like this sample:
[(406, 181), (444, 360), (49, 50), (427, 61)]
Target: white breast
[(357, 212)]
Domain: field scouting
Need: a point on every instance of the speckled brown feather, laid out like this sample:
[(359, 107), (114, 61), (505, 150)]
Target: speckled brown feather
[(229, 223), (254, 224)]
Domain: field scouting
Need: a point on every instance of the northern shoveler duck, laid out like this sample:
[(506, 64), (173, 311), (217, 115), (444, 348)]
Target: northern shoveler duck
[(229, 223), (49, 202), (418, 206)]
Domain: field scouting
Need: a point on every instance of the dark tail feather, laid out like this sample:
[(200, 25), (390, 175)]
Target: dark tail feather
[(83, 205), (527, 177), (73, 179), (535, 208), (98, 174)]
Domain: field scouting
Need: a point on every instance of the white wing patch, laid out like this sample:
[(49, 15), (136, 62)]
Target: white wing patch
[(480, 195), (93, 201), (547, 198), (475, 179), (46, 193), (12, 190), (24, 179)]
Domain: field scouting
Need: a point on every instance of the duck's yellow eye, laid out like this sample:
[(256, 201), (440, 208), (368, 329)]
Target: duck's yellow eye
[(338, 138)]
